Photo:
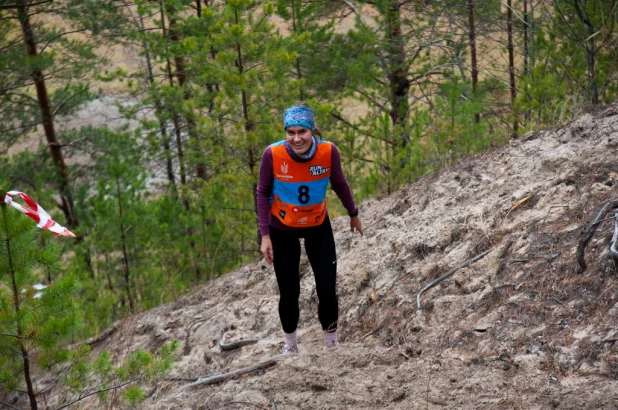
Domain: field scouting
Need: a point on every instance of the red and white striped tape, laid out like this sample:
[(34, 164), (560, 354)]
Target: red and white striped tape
[(36, 212)]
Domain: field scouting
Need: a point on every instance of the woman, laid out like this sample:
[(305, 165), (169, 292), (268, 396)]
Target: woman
[(291, 194)]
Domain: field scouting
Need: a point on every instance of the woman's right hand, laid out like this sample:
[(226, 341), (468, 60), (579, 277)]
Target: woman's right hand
[(267, 249)]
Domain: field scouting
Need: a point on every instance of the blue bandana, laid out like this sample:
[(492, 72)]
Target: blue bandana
[(299, 117)]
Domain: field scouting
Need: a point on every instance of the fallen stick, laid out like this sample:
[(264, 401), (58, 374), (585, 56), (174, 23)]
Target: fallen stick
[(449, 273), (612, 245), (234, 345), (246, 402), (405, 355), (517, 205), (373, 332), (223, 377), (93, 341), (581, 247), (186, 379)]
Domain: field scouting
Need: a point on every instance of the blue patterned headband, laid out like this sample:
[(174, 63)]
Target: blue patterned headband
[(299, 117)]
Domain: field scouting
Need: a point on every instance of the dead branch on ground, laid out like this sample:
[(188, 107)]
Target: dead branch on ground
[(612, 244), (257, 406), (226, 376), (581, 247), (234, 345), (94, 341), (449, 273), (187, 379)]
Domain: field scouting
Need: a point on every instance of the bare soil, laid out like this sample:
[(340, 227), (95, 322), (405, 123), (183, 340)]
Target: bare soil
[(521, 328)]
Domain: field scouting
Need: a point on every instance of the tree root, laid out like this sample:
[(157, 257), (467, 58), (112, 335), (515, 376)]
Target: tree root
[(94, 341), (581, 247), (449, 273), (612, 245), (234, 345), (223, 377)]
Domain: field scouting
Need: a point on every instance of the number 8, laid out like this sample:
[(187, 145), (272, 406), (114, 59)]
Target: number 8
[(303, 194)]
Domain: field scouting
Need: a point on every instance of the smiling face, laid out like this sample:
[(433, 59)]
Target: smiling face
[(299, 139)]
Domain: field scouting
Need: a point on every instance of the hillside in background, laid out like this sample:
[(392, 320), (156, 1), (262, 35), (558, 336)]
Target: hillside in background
[(520, 328)]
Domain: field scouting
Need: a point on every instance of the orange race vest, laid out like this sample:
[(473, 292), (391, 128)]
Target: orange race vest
[(299, 189)]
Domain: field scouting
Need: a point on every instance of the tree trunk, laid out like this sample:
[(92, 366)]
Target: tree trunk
[(181, 75), (298, 72), (175, 119), (475, 71), (249, 126), (527, 69), (164, 137), (16, 293), (398, 74), (593, 91), (509, 29), (125, 255), (179, 147), (532, 37), (526, 41), (47, 119)]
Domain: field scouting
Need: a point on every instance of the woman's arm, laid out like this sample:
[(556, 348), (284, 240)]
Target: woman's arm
[(264, 191), (339, 184)]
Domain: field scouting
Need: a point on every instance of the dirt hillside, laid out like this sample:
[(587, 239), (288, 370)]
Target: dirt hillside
[(520, 328)]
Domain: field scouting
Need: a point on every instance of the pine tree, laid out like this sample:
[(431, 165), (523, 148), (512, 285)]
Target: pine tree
[(591, 27), (393, 67), (42, 71), (119, 189), (33, 323), (251, 67)]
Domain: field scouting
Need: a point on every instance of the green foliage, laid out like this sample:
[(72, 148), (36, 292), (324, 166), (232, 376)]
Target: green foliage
[(65, 59), (169, 203), (134, 395), (101, 375), (31, 321), (458, 133)]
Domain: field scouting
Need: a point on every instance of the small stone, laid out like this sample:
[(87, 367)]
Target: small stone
[(429, 270)]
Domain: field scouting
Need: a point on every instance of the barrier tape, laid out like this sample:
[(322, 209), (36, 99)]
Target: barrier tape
[(37, 213)]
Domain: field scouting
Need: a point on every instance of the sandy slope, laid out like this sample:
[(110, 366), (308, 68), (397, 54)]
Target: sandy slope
[(518, 329)]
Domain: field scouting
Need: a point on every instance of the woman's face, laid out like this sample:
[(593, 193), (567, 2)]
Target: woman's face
[(299, 139)]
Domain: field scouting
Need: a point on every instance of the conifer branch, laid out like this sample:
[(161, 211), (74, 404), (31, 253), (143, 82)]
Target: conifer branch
[(16, 6), (356, 11), (8, 405), (80, 397), (371, 99), (339, 118), (65, 102), (9, 335), (48, 42)]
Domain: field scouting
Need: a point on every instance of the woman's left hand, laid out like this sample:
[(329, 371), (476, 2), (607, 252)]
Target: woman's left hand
[(355, 224)]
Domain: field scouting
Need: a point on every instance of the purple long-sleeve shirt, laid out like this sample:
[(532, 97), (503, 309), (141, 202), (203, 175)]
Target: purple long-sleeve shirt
[(338, 183)]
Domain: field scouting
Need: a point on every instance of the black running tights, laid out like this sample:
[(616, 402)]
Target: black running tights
[(320, 248)]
